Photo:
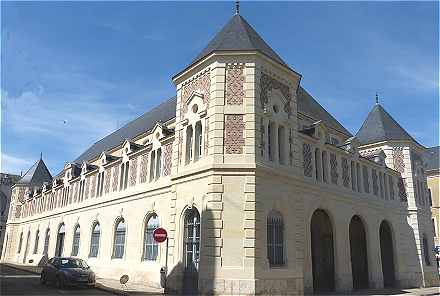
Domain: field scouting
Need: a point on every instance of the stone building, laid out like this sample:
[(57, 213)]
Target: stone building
[(261, 190), (6, 182), (432, 170)]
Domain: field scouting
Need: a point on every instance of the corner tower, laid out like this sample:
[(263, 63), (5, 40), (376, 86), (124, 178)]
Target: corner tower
[(380, 131), (236, 91)]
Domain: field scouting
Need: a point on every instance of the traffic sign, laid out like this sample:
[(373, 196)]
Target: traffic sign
[(160, 235)]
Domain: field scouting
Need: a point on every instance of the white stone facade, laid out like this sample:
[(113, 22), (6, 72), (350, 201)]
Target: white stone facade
[(249, 158)]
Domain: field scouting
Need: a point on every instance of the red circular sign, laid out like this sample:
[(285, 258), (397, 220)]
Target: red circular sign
[(160, 235)]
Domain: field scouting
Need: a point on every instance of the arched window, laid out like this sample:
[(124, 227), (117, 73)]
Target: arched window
[(158, 163), (152, 163), (198, 138), (94, 240), (324, 166), (317, 164), (426, 250), (281, 144), (20, 242), (271, 140), (189, 144), (76, 239), (192, 240), (119, 242), (46, 242), (37, 238), (151, 247), (275, 239)]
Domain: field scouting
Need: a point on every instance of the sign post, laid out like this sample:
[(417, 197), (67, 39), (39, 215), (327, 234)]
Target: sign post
[(160, 235)]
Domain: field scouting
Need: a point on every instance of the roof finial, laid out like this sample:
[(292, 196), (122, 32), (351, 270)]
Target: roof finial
[(41, 155), (237, 7), (377, 98)]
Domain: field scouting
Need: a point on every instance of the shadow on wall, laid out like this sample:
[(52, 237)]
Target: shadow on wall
[(43, 261), (195, 271)]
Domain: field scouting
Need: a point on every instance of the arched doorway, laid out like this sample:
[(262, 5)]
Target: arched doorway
[(358, 253), (387, 254), (191, 251), (323, 267), (60, 240)]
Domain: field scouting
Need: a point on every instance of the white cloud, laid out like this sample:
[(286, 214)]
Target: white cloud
[(12, 164)]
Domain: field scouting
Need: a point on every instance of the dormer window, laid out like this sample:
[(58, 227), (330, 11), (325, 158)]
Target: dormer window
[(198, 138), (100, 187), (124, 175), (189, 144), (158, 163)]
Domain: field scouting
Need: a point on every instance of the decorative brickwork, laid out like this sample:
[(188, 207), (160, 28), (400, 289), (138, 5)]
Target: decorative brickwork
[(143, 170), (333, 168), (268, 83), (93, 184), (234, 134), (366, 179), (133, 171), (234, 85), (167, 159), (17, 211), (398, 159), (307, 160), (345, 176), (402, 192), (86, 191), (115, 178), (20, 194), (107, 180), (391, 186), (200, 84), (375, 185)]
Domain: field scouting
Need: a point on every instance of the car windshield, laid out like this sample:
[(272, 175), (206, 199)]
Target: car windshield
[(72, 263)]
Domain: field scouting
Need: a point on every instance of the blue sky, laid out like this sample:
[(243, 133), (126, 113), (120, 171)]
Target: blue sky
[(74, 72)]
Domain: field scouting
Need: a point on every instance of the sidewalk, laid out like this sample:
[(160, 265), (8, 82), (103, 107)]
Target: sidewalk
[(109, 285), (113, 286)]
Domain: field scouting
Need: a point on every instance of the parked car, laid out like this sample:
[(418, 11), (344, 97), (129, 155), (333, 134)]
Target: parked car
[(67, 271)]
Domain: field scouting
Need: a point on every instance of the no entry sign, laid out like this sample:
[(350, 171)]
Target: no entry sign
[(160, 235)]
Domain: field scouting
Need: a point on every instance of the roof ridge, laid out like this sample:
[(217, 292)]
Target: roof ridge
[(138, 117)]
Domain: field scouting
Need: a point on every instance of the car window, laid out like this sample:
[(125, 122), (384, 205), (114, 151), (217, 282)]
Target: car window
[(72, 263)]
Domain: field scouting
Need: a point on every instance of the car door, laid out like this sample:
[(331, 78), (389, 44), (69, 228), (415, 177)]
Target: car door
[(52, 269)]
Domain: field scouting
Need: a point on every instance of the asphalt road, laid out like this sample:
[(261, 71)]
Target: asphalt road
[(17, 282)]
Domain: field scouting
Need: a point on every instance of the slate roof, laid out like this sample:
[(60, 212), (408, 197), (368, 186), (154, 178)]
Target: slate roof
[(163, 112), (431, 158), (237, 34), (310, 107), (36, 175), (381, 126)]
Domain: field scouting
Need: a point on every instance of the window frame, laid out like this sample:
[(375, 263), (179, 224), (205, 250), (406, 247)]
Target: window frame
[(275, 239), (116, 244), (76, 240), (149, 244), (92, 236)]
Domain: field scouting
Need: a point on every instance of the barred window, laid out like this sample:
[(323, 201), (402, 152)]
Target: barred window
[(94, 240), (46, 242), (76, 239), (119, 242), (20, 243), (37, 238), (275, 239), (151, 247)]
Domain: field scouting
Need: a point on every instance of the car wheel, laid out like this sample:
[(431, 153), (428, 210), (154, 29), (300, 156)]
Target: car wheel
[(43, 279), (60, 282)]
